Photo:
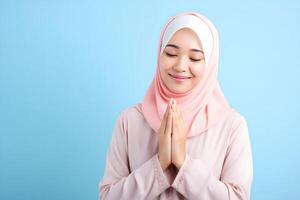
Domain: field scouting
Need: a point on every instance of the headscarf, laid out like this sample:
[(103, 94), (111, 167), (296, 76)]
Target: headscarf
[(204, 105)]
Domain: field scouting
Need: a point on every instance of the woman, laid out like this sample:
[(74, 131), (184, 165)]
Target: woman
[(183, 141)]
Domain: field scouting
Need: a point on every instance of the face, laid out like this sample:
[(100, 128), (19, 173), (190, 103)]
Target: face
[(182, 61)]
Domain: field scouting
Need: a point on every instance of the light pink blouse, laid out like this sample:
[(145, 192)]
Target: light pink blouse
[(218, 162)]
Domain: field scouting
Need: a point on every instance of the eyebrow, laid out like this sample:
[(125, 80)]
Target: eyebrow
[(177, 47)]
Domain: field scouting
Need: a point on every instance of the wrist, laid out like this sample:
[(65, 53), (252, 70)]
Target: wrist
[(162, 164), (180, 163)]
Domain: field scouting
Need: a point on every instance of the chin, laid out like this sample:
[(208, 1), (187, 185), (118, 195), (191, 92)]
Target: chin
[(179, 90)]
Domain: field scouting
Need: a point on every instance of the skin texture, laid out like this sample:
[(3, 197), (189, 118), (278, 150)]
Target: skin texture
[(171, 138), (182, 61), (178, 60)]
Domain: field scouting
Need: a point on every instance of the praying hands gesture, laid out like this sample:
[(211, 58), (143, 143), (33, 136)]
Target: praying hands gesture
[(171, 137)]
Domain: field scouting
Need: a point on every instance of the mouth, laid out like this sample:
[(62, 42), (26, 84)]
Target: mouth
[(179, 78)]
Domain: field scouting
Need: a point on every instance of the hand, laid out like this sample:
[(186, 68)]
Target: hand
[(164, 139), (178, 137)]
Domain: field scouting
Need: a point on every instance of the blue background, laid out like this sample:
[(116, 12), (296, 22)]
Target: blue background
[(68, 68)]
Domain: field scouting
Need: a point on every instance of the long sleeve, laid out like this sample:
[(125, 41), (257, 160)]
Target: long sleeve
[(146, 182), (196, 181)]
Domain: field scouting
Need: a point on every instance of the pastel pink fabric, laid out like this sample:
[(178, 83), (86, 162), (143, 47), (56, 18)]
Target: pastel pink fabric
[(201, 107), (217, 165)]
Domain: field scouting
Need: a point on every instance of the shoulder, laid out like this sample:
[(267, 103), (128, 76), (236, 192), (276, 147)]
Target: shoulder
[(237, 125), (132, 118), (131, 113), (235, 119)]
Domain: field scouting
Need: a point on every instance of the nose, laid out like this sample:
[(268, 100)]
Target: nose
[(181, 65)]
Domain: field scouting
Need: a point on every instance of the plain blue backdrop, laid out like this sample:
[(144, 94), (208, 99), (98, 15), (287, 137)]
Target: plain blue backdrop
[(68, 68)]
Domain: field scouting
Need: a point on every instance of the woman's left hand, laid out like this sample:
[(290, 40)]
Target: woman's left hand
[(178, 137)]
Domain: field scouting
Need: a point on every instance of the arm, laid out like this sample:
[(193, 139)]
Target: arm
[(195, 180), (145, 182)]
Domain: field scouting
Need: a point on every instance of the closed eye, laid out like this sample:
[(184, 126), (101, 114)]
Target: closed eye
[(192, 59), (171, 55), (195, 60)]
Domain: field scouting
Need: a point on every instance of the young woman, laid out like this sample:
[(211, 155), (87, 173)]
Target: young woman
[(183, 141)]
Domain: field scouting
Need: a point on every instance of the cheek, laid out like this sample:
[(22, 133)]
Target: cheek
[(163, 69), (197, 71), (165, 63)]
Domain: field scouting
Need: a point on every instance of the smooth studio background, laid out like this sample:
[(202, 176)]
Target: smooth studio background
[(68, 68)]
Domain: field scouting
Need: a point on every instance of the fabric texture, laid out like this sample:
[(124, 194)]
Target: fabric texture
[(218, 163)]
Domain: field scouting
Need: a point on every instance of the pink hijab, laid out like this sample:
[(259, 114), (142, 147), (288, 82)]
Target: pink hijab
[(202, 106)]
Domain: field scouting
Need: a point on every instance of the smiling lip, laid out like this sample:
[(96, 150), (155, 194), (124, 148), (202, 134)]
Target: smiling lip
[(179, 78)]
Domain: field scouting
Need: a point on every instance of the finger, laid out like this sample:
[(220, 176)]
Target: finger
[(174, 123), (178, 113), (179, 122), (169, 123), (166, 114), (177, 119), (175, 113), (180, 117), (164, 120), (176, 108)]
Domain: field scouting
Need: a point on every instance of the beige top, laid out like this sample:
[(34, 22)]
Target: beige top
[(218, 163)]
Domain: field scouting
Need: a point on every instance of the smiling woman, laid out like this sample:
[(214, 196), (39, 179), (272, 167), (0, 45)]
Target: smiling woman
[(182, 61), (183, 141)]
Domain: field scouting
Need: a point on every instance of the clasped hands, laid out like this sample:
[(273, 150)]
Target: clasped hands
[(172, 137)]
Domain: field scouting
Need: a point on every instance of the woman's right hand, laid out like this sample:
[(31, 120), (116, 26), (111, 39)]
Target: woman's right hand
[(164, 139)]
